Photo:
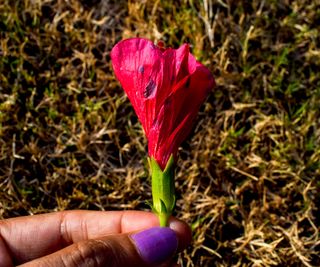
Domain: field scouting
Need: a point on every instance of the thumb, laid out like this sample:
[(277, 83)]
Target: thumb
[(150, 247)]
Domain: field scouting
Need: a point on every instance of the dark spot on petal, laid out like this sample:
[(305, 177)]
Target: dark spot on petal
[(187, 85), (141, 69), (167, 102), (148, 91), (172, 80), (161, 44)]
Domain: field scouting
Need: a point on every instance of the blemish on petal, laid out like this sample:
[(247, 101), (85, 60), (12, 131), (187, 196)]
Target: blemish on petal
[(187, 84), (167, 102), (172, 80), (161, 46), (141, 69), (148, 91)]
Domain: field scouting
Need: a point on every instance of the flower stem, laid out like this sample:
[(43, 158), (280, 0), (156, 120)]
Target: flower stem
[(162, 190)]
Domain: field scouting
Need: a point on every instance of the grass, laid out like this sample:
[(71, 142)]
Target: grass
[(247, 177)]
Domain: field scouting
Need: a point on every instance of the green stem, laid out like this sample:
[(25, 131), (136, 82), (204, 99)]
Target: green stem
[(162, 190), (163, 219)]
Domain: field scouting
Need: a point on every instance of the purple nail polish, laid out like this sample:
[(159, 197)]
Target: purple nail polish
[(156, 244)]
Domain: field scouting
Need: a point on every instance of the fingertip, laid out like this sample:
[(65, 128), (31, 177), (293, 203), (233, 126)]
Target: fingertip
[(156, 245), (183, 232)]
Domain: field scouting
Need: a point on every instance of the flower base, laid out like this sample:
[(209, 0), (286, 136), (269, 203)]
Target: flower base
[(162, 190)]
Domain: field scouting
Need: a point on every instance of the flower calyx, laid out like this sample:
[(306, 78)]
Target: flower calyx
[(162, 189)]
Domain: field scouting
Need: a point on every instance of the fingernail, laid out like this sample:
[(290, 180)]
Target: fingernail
[(156, 244)]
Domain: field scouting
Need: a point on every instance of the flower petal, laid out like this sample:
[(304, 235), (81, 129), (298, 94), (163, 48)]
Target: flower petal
[(176, 117), (137, 65)]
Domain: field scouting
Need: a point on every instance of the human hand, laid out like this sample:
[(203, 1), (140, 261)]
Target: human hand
[(90, 238)]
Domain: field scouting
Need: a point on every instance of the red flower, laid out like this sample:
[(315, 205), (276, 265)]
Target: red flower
[(166, 88)]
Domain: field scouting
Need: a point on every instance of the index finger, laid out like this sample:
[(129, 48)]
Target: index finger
[(32, 237)]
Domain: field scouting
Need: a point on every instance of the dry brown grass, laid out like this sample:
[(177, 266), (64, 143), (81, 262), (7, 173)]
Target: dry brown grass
[(247, 178)]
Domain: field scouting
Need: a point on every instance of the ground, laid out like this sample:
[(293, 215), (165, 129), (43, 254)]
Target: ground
[(247, 177)]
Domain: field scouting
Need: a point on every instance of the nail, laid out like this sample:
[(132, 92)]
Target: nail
[(156, 245)]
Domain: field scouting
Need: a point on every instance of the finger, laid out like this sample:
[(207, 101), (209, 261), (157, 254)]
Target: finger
[(35, 236), (32, 237), (151, 247), (183, 232)]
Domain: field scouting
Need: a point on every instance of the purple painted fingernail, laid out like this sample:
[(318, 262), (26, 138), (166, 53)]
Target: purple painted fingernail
[(156, 244)]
